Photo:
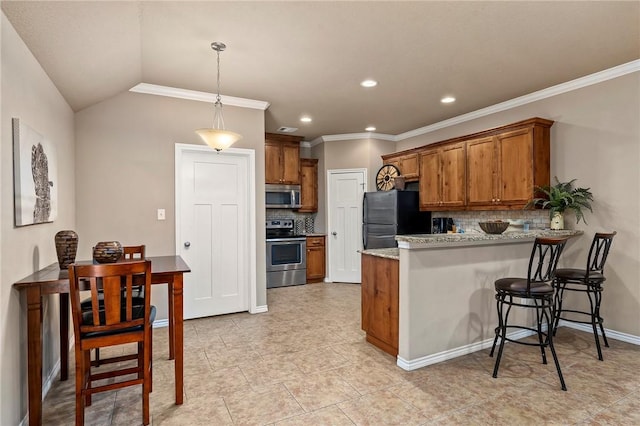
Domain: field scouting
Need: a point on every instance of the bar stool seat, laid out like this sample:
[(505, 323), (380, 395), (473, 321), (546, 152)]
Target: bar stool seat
[(578, 275), (587, 281), (519, 285)]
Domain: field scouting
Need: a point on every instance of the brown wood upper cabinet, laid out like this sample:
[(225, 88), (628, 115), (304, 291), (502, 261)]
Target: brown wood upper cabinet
[(443, 177), (308, 185), (408, 164), (503, 169), (282, 159)]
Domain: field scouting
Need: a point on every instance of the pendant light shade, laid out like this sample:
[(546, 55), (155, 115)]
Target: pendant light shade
[(217, 137)]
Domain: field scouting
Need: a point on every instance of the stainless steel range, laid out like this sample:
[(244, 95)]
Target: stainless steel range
[(286, 254)]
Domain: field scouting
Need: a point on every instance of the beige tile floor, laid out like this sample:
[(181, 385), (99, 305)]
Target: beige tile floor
[(306, 362)]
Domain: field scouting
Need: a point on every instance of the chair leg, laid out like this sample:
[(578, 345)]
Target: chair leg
[(553, 350), (80, 386), (499, 327), (97, 357), (503, 333), (557, 303), (146, 383), (594, 325), (87, 371), (597, 315), (539, 323), (151, 361)]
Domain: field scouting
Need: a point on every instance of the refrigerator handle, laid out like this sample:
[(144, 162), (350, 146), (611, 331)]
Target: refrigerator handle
[(364, 236), (364, 225)]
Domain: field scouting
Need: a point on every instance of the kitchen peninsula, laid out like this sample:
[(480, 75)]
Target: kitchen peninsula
[(433, 299)]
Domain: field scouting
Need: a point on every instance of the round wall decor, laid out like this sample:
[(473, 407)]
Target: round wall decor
[(385, 178)]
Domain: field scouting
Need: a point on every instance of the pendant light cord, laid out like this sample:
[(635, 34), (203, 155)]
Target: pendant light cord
[(218, 96)]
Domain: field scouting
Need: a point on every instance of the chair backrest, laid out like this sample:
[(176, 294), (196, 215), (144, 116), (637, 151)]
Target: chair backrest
[(133, 252), (544, 259), (599, 251), (115, 310)]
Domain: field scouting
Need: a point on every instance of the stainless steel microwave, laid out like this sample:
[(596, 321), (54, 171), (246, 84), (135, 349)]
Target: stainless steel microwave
[(282, 196)]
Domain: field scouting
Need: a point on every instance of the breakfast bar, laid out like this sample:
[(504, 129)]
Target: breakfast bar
[(445, 295)]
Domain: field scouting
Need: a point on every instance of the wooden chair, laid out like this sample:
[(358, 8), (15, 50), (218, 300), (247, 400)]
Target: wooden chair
[(588, 281), (113, 320), (128, 253), (536, 287)]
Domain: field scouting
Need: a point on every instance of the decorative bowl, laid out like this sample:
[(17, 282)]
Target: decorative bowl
[(107, 251), (494, 227)]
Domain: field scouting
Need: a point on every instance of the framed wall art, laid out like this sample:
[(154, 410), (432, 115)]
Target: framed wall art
[(35, 175)]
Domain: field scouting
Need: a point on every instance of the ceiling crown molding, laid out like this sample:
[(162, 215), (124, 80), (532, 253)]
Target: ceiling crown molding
[(352, 136), (578, 83), (194, 95)]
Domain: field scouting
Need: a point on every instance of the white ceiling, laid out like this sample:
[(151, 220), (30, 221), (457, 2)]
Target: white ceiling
[(309, 57)]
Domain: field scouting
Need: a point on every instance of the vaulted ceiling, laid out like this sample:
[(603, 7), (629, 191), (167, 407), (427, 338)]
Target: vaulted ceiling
[(308, 58)]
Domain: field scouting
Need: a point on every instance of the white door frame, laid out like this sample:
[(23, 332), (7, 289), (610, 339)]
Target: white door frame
[(250, 154), (328, 186)]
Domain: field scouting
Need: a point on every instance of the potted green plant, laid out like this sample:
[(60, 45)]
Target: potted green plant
[(561, 197)]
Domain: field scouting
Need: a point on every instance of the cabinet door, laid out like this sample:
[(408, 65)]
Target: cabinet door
[(453, 176), (315, 259), (481, 176), (380, 302), (272, 163), (308, 185), (515, 167), (409, 167), (291, 163), (429, 179)]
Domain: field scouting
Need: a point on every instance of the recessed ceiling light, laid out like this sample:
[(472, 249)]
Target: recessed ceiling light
[(448, 99), (370, 129), (305, 119), (369, 83)]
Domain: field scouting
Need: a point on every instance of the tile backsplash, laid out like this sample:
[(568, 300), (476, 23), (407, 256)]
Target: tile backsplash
[(307, 218), (468, 220)]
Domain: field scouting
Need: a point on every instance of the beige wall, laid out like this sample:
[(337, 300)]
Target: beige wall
[(595, 139), (28, 94), (125, 172), (348, 154), (321, 219)]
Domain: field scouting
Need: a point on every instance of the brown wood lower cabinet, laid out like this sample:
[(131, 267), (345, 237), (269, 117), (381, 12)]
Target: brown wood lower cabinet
[(315, 259), (380, 296)]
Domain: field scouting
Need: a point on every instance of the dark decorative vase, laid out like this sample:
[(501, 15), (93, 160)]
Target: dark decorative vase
[(107, 252), (66, 247)]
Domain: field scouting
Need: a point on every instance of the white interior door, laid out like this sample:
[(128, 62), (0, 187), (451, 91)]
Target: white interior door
[(345, 192), (213, 232)]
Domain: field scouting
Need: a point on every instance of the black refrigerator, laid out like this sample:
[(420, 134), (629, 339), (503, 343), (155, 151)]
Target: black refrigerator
[(390, 213)]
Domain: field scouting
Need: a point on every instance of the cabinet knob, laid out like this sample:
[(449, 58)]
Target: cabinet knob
[(493, 200), (498, 200), (334, 233)]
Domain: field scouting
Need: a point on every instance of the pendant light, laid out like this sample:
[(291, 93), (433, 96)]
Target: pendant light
[(217, 137)]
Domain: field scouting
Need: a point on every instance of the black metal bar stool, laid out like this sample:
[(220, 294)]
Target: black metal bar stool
[(587, 281), (536, 287)]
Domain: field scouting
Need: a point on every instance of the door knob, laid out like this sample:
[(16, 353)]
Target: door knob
[(187, 244), (334, 233)]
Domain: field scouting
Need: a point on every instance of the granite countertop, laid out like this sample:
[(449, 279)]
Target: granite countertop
[(388, 253), (315, 234), (477, 238)]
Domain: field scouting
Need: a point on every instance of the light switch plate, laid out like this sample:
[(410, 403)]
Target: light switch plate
[(161, 214)]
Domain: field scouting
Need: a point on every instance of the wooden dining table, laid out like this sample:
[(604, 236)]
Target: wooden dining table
[(52, 280)]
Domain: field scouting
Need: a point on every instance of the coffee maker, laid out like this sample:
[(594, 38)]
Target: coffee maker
[(441, 225)]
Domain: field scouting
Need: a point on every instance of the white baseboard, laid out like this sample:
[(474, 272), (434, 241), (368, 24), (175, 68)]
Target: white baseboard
[(160, 323), (616, 335), (260, 309), (456, 352), (485, 344)]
